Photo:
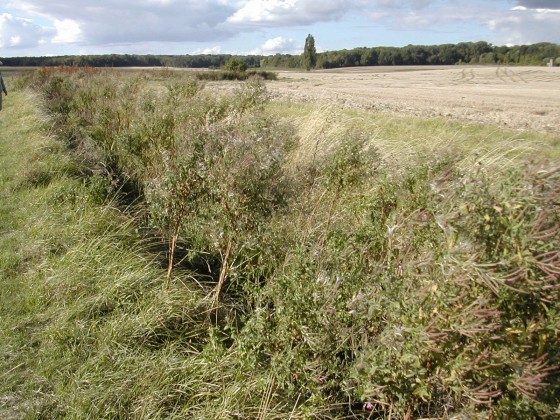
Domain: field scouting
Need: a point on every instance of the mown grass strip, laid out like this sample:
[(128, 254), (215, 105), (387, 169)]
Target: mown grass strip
[(21, 135), (72, 270)]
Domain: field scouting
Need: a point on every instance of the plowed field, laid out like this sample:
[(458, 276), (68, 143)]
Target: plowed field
[(521, 98)]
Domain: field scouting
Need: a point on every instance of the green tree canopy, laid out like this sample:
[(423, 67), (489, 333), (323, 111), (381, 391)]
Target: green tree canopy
[(309, 53), (236, 65)]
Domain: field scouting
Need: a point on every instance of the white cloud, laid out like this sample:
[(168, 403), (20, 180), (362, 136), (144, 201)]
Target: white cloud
[(539, 4), (278, 45), (527, 26), (401, 4), (131, 21), (20, 33), (430, 18), (68, 31), (147, 26), (291, 12), (213, 50), (525, 22)]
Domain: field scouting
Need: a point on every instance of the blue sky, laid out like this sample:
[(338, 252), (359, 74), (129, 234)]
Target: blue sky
[(59, 27)]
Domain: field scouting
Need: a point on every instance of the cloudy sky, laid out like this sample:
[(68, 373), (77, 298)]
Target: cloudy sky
[(58, 27)]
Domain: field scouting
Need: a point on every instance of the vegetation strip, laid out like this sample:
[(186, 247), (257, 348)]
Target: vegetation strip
[(176, 253)]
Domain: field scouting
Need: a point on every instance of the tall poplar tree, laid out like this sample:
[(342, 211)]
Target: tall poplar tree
[(309, 53)]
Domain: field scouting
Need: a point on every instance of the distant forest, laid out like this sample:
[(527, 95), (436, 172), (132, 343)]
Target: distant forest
[(446, 54)]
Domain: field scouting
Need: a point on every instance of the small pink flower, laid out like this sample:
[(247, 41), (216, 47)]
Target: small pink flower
[(322, 380), (369, 406)]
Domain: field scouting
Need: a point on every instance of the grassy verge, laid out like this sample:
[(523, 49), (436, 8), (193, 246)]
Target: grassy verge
[(23, 245), (173, 254), (72, 270)]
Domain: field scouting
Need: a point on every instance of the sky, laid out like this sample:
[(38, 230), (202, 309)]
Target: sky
[(264, 27)]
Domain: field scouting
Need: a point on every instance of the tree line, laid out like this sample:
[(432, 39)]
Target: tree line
[(134, 60), (446, 54)]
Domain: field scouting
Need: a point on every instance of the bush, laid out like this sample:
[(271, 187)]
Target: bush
[(236, 65), (220, 75)]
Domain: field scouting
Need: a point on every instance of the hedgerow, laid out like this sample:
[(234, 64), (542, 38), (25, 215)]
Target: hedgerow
[(344, 286)]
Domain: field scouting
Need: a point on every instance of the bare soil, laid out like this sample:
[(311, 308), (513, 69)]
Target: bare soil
[(521, 98)]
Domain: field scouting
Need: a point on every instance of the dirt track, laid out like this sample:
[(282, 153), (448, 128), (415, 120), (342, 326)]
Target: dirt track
[(523, 98)]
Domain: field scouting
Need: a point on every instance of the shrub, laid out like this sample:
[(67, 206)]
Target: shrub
[(236, 65), (220, 75)]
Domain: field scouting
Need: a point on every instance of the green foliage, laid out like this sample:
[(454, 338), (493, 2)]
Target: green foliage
[(309, 58), (350, 163), (218, 75), (356, 283), (223, 178), (446, 54), (132, 60), (236, 65)]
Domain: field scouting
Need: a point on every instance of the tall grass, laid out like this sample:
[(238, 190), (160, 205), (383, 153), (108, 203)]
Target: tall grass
[(208, 256)]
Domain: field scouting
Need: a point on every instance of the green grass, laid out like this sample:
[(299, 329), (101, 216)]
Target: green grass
[(327, 263), (71, 269), (406, 141)]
